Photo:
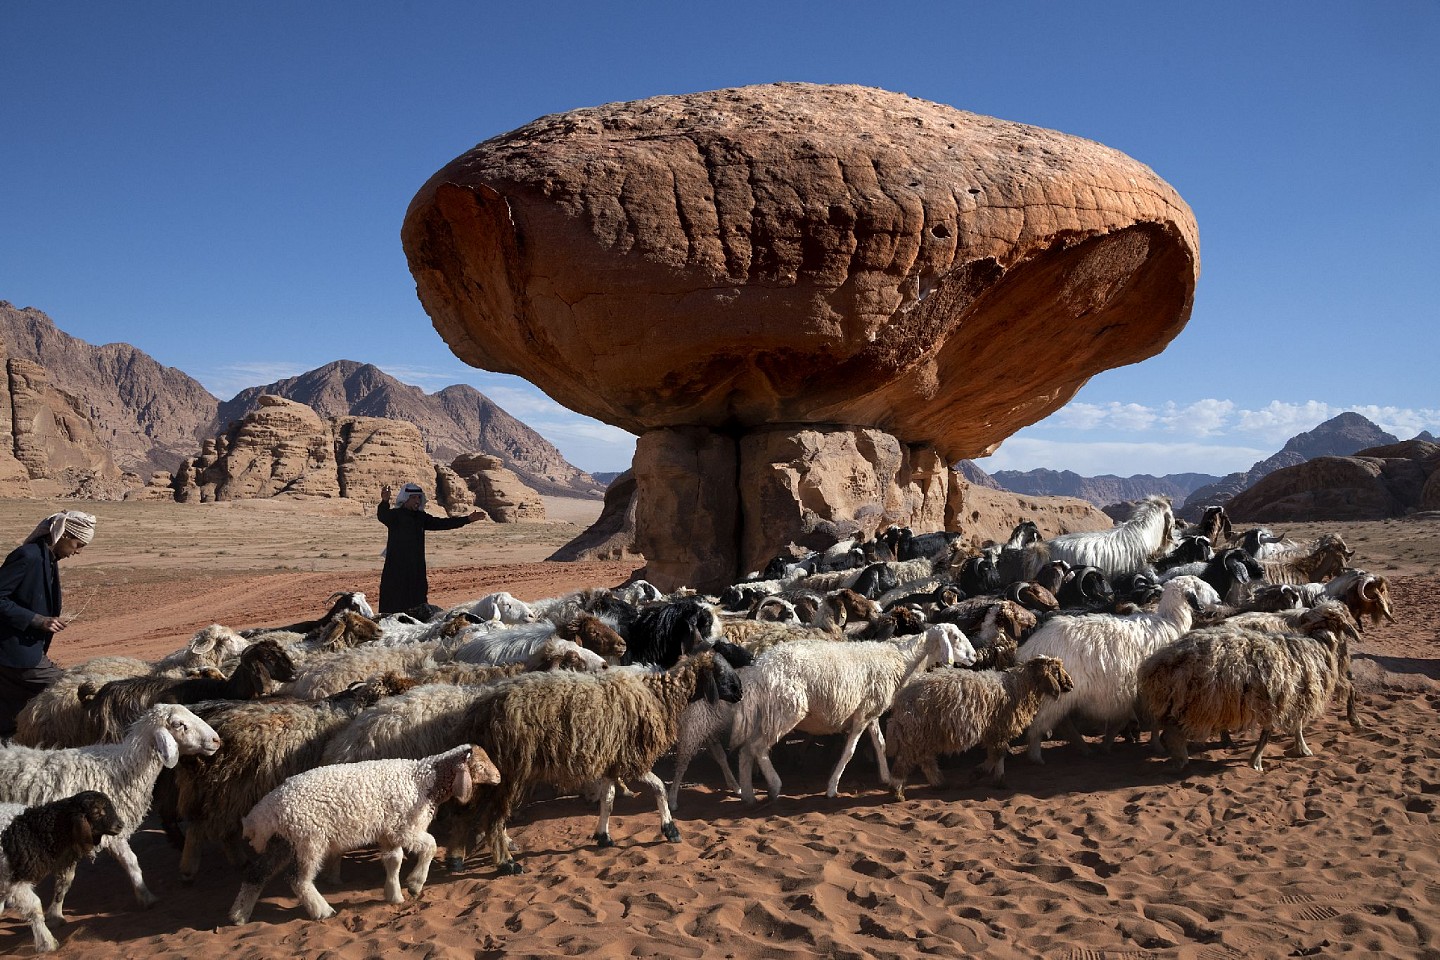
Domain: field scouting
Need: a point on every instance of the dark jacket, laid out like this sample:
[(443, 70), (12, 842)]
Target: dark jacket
[(29, 587), (403, 582)]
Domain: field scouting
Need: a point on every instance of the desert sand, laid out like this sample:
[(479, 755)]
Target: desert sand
[(1107, 855)]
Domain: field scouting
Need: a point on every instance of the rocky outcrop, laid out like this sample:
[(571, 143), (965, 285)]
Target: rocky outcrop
[(149, 415), (497, 490), (982, 515), (612, 537), (286, 449), (1338, 436), (51, 447), (1375, 484), (456, 421), (802, 258)]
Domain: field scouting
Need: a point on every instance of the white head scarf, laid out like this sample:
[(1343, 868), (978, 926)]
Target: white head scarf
[(79, 525), (409, 490)]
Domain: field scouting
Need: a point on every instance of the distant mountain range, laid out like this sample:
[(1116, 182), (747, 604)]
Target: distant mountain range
[(1191, 492), (151, 416)]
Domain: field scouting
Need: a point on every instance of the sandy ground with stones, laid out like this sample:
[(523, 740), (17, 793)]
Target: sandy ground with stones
[(1099, 856)]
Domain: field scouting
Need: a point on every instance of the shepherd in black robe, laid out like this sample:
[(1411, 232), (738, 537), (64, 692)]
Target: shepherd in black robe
[(403, 582)]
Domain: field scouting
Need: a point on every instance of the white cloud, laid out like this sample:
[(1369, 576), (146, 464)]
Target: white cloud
[(1203, 418)]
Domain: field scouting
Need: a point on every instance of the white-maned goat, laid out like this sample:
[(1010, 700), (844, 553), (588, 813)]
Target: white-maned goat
[(1121, 550)]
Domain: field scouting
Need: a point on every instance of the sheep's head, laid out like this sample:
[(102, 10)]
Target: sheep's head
[(269, 659), (348, 629), (93, 817), (1049, 676), (594, 635), (947, 644), (806, 607), (215, 644), (715, 679), (1332, 616), (1015, 620), (177, 733)]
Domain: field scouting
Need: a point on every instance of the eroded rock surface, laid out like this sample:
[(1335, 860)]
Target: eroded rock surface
[(286, 449), (497, 490), (796, 257)]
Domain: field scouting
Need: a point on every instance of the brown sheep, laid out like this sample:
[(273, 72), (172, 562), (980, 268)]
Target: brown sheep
[(951, 711)]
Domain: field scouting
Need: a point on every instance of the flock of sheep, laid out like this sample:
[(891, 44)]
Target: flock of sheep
[(287, 747)]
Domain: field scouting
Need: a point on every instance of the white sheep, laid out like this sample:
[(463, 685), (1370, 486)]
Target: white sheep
[(1228, 678), (498, 608), (826, 688), (1102, 652), (125, 772), (329, 811), (950, 711)]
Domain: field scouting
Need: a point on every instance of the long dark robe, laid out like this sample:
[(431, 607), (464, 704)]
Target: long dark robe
[(403, 581), (29, 589)]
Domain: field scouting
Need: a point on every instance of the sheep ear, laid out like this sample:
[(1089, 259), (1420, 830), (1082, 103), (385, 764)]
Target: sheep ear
[(708, 685), (463, 785), (83, 833), (168, 749)]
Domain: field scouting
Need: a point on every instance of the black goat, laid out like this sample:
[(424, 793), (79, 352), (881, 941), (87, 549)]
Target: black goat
[(663, 632)]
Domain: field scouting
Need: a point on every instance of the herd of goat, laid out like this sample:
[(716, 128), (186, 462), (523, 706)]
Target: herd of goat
[(289, 746)]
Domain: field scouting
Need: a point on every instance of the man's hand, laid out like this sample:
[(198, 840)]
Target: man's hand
[(385, 493), (53, 624)]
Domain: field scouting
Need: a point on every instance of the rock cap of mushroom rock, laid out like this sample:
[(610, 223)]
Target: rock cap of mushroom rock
[(806, 254)]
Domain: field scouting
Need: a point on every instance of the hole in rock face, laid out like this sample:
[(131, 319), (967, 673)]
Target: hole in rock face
[(940, 231), (973, 191)]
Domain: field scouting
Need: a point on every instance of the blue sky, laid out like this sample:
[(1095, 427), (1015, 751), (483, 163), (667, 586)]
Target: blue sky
[(222, 185)]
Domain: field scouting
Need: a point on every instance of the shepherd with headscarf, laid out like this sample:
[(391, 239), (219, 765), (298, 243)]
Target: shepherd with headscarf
[(30, 609), (404, 584)]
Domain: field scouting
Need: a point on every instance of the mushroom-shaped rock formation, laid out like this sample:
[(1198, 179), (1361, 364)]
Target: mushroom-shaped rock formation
[(709, 269)]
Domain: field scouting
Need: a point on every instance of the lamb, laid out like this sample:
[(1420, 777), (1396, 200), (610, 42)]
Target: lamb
[(569, 730), (125, 772), (826, 688), (950, 711), (1117, 551), (1225, 678), (119, 703), (265, 742), (328, 811), (705, 724), (44, 839), (1101, 652)]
